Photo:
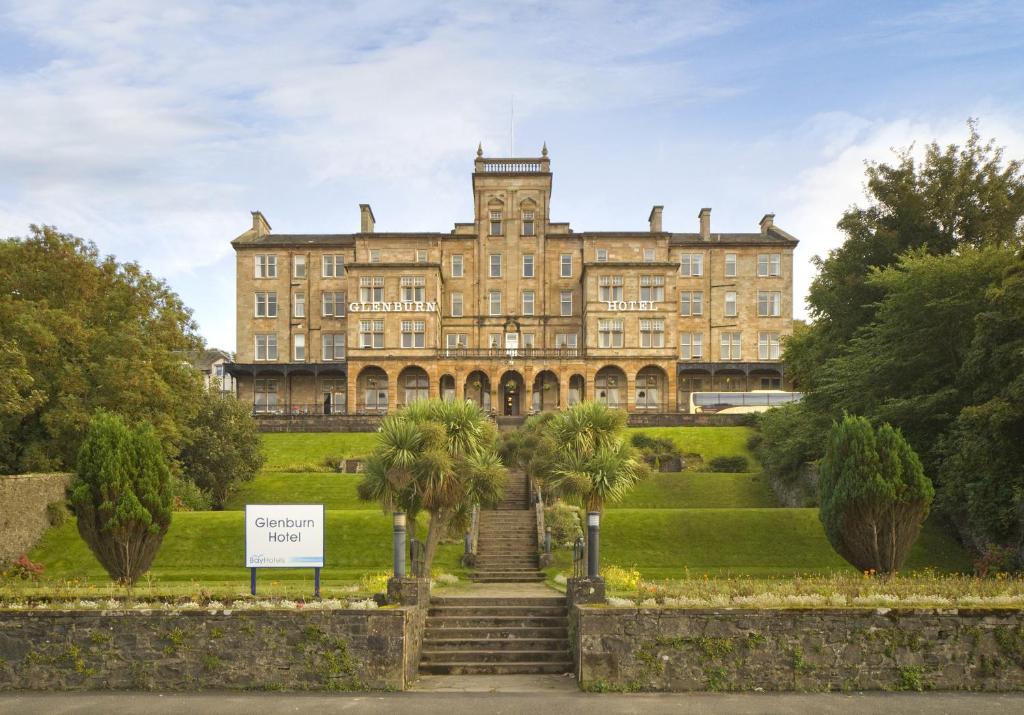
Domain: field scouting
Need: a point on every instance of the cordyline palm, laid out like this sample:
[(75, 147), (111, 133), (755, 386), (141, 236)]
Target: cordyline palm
[(437, 456)]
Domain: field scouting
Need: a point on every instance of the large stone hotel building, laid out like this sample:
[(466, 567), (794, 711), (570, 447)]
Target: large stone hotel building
[(511, 310)]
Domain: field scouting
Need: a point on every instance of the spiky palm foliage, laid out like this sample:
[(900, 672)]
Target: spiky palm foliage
[(438, 456)]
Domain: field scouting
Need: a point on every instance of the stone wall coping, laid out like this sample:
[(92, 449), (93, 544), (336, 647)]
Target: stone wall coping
[(850, 611), (33, 612), (36, 475)]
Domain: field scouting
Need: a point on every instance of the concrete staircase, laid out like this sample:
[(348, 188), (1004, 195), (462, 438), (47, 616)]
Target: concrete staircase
[(496, 636)]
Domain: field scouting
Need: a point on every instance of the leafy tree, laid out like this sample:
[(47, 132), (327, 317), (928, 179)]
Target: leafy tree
[(436, 456), (121, 495), (84, 332), (874, 495), (221, 447)]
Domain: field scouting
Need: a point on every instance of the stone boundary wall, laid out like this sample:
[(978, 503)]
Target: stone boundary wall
[(664, 649), (23, 517), (317, 423), (193, 650)]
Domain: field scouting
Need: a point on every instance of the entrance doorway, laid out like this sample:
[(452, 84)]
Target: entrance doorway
[(511, 394)]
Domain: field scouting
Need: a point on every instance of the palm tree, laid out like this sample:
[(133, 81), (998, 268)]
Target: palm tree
[(439, 456)]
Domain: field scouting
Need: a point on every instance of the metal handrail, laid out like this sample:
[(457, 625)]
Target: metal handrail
[(579, 568)]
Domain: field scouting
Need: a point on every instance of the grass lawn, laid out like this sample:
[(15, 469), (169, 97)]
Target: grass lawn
[(335, 491), (699, 490), (298, 452), (209, 547), (663, 543), (708, 442)]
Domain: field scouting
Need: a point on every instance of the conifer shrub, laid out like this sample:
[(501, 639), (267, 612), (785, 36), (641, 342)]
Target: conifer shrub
[(874, 494), (122, 495)]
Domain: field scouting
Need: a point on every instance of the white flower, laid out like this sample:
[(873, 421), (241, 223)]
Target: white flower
[(619, 602), (368, 605), (560, 579), (447, 578)]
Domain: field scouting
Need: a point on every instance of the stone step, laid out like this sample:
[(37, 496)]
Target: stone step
[(455, 668), (507, 579), (497, 601), (440, 645), (443, 622), (507, 632), (494, 656), (489, 611)]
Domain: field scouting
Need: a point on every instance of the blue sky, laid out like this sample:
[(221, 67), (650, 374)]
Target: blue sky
[(153, 128)]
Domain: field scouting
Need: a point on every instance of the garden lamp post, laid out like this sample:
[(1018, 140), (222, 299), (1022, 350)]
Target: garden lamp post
[(399, 544), (594, 534)]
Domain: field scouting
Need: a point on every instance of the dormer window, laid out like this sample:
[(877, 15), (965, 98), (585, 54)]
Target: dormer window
[(528, 223), (495, 223), (374, 255)]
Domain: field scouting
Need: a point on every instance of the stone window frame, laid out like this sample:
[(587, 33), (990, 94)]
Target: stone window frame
[(299, 344), (332, 266), (375, 285), (655, 286), (609, 288), (265, 265), (265, 304), (649, 255), (565, 262), (458, 301), (528, 227), (691, 265), (730, 264), (299, 304), (371, 334), (565, 299), (494, 302), (336, 302), (531, 303), (610, 332), (414, 334), (461, 264), (769, 345), (297, 262), (495, 223), (268, 348), (769, 265), (495, 261), (730, 312), (693, 300), (413, 289), (332, 346), (691, 345), (652, 332), (769, 304), (730, 345), (532, 263)]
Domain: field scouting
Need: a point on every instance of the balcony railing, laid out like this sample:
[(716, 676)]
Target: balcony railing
[(512, 353), (511, 166)]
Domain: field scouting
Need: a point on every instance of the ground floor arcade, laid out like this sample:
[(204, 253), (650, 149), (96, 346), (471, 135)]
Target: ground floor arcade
[(499, 387)]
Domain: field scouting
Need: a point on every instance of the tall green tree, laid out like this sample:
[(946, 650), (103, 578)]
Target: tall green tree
[(83, 332), (436, 456), (874, 495), (221, 447), (122, 495)]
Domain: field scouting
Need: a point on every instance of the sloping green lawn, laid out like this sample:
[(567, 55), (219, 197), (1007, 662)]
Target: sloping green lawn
[(699, 490), (664, 543), (297, 451), (708, 442), (335, 491)]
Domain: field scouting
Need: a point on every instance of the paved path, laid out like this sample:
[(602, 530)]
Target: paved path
[(567, 703)]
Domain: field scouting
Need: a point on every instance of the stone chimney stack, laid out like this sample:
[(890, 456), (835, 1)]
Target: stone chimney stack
[(366, 220), (767, 221), (655, 219), (705, 224), (259, 224)]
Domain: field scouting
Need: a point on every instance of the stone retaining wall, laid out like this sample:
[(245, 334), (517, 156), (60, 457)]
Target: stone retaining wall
[(23, 517), (317, 423), (192, 650), (804, 650)]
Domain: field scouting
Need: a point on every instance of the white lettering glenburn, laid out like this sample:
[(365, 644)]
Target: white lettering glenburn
[(620, 305), (408, 306)]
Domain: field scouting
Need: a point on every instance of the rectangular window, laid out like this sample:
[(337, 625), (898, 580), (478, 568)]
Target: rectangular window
[(652, 288), (609, 332), (299, 266), (494, 300), (527, 223), (691, 264), (413, 333), (333, 266), (691, 302), (495, 265), (266, 266), (527, 265), (265, 396), (455, 341), (648, 255), (457, 265), (566, 302), (266, 346), (494, 341), (565, 341), (456, 305), (730, 346), (652, 333), (609, 288), (371, 334), (769, 303), (730, 304), (421, 256), (691, 346), (374, 255), (769, 264), (527, 340), (371, 289), (768, 346), (730, 265), (565, 263), (266, 304), (299, 305), (333, 346), (527, 302), (495, 223), (413, 289), (602, 255), (299, 342), (333, 304)]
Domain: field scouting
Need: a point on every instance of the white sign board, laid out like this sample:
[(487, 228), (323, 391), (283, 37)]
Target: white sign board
[(284, 536)]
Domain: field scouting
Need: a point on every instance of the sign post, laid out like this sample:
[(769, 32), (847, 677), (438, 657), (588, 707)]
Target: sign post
[(284, 536)]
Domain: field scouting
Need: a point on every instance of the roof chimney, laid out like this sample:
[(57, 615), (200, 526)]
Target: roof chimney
[(366, 219), (705, 223), (655, 219), (767, 221), (259, 224)]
